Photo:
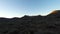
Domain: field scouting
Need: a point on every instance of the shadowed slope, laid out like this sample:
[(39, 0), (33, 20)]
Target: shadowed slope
[(31, 24)]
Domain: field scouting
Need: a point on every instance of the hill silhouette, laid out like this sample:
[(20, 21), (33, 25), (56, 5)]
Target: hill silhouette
[(55, 13), (49, 24)]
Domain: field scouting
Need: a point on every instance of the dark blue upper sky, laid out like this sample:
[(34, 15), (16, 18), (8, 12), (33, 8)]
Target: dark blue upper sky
[(18, 8)]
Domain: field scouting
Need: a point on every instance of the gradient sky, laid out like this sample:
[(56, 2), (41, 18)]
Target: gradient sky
[(18, 8)]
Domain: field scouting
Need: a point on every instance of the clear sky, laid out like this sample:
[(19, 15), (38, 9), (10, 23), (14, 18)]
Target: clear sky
[(18, 8)]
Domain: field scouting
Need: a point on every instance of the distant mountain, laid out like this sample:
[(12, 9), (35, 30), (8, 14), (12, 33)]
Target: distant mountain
[(49, 24)]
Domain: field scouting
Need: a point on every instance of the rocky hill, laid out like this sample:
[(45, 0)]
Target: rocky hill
[(49, 24)]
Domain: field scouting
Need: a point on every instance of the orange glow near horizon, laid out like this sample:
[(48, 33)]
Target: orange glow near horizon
[(54, 12)]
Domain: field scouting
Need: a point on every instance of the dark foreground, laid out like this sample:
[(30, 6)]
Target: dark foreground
[(30, 25), (49, 24)]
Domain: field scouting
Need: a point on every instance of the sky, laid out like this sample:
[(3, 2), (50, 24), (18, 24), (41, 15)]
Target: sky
[(19, 8)]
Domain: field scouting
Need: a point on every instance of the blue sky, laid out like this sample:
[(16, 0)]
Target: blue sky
[(19, 8)]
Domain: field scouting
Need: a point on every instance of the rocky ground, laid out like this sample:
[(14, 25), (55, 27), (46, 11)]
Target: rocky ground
[(49, 24)]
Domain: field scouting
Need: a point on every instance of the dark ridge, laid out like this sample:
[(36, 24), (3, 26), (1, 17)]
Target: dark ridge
[(49, 24)]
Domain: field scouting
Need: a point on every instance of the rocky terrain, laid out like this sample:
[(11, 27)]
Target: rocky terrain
[(49, 24)]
